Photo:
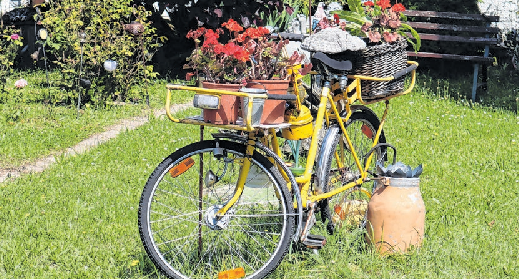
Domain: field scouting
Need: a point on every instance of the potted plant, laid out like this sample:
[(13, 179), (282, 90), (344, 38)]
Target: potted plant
[(270, 69), (379, 21), (381, 24), (222, 66), (249, 57)]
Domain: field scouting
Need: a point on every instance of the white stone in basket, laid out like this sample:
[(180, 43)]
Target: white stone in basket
[(332, 40)]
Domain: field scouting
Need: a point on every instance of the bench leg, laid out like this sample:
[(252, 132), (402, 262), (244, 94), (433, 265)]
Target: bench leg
[(484, 77), (475, 82)]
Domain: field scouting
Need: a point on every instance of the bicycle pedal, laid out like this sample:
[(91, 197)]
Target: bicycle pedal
[(313, 241)]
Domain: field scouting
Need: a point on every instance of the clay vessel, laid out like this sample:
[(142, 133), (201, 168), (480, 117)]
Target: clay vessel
[(396, 216), (273, 110)]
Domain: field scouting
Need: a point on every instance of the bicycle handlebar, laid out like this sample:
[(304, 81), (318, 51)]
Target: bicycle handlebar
[(405, 71), (290, 36), (283, 97)]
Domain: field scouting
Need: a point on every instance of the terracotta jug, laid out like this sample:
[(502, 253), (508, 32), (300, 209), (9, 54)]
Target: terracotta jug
[(396, 215)]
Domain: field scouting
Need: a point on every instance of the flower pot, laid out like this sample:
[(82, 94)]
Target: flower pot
[(273, 110), (227, 113), (257, 105)]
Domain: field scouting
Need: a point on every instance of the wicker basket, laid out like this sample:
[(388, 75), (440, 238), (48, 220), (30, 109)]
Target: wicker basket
[(381, 60)]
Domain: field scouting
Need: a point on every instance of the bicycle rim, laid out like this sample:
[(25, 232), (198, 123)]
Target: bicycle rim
[(178, 223), (340, 168)]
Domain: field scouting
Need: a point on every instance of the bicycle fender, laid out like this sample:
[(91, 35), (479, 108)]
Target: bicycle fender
[(279, 161)]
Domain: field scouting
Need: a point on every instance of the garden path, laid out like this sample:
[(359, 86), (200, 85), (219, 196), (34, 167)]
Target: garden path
[(85, 145)]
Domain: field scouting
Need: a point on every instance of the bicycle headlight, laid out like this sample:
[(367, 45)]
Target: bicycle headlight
[(206, 102)]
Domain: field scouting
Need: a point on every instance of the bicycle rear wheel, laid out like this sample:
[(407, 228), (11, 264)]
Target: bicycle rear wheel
[(177, 217), (337, 167)]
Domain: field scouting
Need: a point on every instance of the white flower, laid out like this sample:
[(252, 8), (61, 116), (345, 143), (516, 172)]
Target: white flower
[(21, 83)]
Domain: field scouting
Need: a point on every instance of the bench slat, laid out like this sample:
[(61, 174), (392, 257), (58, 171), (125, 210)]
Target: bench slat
[(446, 38), (479, 59), (451, 15), (457, 28)]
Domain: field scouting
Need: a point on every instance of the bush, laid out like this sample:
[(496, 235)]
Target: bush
[(103, 23), (10, 42)]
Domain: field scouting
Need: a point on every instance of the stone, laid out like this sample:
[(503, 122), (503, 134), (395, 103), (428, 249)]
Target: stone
[(332, 40)]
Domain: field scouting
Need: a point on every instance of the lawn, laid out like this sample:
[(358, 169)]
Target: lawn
[(78, 219), (30, 130)]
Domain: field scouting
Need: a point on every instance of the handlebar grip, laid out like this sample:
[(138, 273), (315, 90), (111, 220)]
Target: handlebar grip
[(290, 36), (283, 97), (405, 71)]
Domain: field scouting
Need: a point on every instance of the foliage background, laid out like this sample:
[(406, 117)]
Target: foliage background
[(102, 21)]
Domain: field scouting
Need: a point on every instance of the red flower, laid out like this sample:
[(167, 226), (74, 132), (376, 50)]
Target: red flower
[(252, 33), (189, 76), (195, 34), (369, 3), (398, 8), (384, 4), (232, 25), (241, 54), (210, 39), (336, 18), (219, 48)]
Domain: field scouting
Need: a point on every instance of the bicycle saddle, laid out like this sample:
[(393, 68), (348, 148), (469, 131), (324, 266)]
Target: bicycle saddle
[(328, 66), (344, 65)]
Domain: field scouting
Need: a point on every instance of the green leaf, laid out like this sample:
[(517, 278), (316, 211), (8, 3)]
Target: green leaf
[(352, 17), (416, 45), (355, 6)]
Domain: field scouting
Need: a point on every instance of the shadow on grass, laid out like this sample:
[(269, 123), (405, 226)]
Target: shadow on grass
[(441, 80)]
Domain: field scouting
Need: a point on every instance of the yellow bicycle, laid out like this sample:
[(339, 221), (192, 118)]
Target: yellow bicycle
[(229, 207)]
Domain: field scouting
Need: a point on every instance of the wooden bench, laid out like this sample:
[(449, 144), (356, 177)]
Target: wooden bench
[(472, 29)]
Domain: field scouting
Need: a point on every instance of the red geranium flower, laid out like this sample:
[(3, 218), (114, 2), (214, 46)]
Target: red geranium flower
[(210, 39), (398, 8), (232, 25), (219, 48), (384, 4), (195, 34), (369, 3), (241, 54), (336, 18)]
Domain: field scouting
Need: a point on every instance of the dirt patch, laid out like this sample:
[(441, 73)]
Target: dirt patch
[(82, 147)]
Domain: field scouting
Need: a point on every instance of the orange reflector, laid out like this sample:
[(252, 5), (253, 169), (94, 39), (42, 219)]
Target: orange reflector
[(367, 131), (232, 274), (182, 167)]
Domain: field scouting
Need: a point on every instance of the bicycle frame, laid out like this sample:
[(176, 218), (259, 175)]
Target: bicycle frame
[(304, 181)]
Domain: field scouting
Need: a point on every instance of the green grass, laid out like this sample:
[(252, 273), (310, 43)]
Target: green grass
[(31, 130), (79, 218)]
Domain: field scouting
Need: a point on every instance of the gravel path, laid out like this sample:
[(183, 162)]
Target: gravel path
[(82, 147)]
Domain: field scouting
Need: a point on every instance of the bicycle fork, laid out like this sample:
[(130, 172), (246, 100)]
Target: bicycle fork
[(244, 172)]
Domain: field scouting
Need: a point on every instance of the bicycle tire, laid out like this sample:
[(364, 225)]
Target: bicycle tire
[(177, 223), (361, 128)]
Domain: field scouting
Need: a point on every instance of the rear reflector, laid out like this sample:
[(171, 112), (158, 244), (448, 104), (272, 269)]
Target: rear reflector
[(232, 274)]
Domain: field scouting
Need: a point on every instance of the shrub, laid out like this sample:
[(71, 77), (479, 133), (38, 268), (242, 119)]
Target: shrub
[(103, 22), (10, 42)]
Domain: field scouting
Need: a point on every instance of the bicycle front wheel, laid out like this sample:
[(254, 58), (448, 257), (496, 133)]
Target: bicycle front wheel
[(177, 214), (337, 167)]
